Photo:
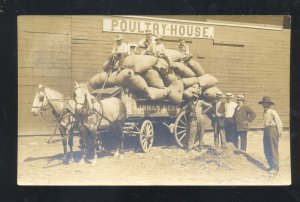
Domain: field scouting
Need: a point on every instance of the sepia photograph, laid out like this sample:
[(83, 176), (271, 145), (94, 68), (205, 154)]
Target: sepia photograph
[(154, 100)]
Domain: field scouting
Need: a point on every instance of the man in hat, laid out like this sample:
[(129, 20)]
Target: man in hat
[(218, 116), (158, 50), (145, 43), (184, 49), (119, 52), (242, 116), (228, 122), (272, 131), (195, 113)]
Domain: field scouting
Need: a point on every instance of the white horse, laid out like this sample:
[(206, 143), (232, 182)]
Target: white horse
[(63, 109), (94, 115)]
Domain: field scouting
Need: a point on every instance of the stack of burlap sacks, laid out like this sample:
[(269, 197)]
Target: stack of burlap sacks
[(152, 78)]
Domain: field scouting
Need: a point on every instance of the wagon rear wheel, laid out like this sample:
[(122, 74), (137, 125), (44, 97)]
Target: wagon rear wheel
[(181, 130), (146, 135)]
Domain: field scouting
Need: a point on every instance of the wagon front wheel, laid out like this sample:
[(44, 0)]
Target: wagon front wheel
[(146, 135)]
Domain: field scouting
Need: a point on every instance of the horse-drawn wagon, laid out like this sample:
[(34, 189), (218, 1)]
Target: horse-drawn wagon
[(143, 114)]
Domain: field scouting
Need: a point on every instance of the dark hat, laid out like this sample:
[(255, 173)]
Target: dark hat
[(266, 99), (182, 39)]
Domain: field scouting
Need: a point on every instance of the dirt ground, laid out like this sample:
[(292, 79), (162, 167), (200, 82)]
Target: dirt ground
[(39, 163)]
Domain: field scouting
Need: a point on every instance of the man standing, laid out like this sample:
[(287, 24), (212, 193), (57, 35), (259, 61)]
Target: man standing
[(195, 114), (228, 122), (145, 43), (158, 50), (272, 131), (119, 52), (184, 49), (219, 116), (242, 116)]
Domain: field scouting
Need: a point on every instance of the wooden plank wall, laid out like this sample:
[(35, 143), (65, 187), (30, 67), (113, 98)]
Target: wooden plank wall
[(44, 56), (253, 62)]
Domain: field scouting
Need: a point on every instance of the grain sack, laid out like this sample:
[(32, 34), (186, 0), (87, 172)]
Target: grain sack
[(176, 91), (139, 63), (169, 77), (161, 66), (210, 93), (153, 79), (183, 70), (156, 93), (189, 92), (196, 67), (135, 82), (207, 81), (98, 80), (174, 55), (189, 82), (113, 79), (124, 74)]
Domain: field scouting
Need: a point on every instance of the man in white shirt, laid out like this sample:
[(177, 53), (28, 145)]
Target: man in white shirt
[(119, 52), (184, 49), (158, 50), (272, 131), (145, 43), (228, 122)]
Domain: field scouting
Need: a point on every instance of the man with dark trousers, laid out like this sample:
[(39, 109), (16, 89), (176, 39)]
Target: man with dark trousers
[(272, 131), (242, 116), (218, 116), (228, 122), (195, 113)]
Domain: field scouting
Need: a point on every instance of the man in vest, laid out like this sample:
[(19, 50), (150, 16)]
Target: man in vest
[(228, 122), (242, 116), (119, 52), (218, 115), (272, 131)]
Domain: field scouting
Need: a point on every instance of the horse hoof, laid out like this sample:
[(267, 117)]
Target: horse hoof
[(121, 156), (81, 162), (117, 154)]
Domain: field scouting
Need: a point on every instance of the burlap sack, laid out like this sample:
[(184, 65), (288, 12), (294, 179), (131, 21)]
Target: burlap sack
[(189, 92), (210, 93), (156, 94), (183, 70), (195, 67), (139, 63), (113, 79), (161, 66), (189, 82), (174, 55), (170, 76), (135, 82), (123, 75), (153, 79), (207, 81), (98, 80), (176, 92)]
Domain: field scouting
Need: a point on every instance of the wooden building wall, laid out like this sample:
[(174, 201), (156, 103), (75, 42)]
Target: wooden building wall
[(59, 50)]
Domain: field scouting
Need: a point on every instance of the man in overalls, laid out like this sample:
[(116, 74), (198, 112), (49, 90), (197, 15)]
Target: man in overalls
[(195, 113)]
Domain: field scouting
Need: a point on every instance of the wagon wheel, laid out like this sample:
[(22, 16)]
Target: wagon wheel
[(146, 135), (181, 130)]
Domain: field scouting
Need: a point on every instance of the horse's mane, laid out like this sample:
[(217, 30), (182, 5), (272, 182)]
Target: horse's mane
[(53, 93)]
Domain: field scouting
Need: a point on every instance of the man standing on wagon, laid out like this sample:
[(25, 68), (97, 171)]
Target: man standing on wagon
[(184, 49), (119, 52), (195, 113)]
